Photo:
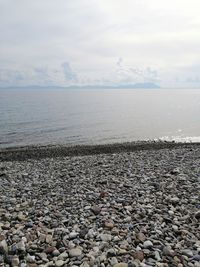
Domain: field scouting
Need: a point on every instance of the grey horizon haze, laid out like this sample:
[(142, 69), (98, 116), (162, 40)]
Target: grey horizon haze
[(101, 42)]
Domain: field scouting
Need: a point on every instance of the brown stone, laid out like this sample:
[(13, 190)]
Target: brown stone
[(49, 250), (139, 255), (108, 224), (103, 194), (141, 237), (96, 209)]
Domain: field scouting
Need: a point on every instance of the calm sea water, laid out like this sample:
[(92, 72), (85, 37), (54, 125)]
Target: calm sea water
[(97, 116)]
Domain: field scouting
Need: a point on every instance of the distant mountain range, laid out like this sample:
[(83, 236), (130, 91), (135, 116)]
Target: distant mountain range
[(121, 86)]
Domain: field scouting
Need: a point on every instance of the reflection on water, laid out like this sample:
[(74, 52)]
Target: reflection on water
[(97, 116)]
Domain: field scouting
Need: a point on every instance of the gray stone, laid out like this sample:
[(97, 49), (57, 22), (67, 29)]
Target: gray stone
[(196, 258), (85, 264), (63, 256), (187, 252), (15, 261), (113, 261), (75, 252), (167, 251), (175, 200), (73, 235), (56, 252), (4, 246), (59, 263), (197, 215), (106, 237), (147, 244)]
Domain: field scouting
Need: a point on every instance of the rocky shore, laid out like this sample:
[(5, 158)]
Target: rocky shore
[(134, 208)]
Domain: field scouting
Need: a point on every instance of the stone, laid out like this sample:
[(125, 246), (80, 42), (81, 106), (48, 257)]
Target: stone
[(113, 261), (106, 237), (167, 251), (96, 209), (174, 200), (42, 255), (175, 171), (42, 237), (75, 252), (171, 213), (48, 239), (63, 210), (83, 232), (121, 264), (196, 257), (15, 261), (6, 226), (102, 257), (3, 247), (136, 263), (197, 215), (21, 217), (128, 219), (108, 225), (73, 235), (85, 264), (59, 263), (175, 228), (21, 246), (30, 265), (56, 253), (63, 256), (111, 253), (147, 244), (103, 194), (129, 208), (187, 252), (49, 250), (124, 244), (139, 255), (122, 252), (141, 237), (30, 259), (157, 255)]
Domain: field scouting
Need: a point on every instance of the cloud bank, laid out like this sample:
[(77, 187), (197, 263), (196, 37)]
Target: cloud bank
[(99, 42)]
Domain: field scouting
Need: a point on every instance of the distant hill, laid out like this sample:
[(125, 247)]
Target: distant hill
[(121, 86)]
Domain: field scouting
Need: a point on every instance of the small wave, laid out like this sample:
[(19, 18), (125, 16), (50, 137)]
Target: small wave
[(186, 139)]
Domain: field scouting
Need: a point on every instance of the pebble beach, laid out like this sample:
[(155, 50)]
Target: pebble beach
[(118, 207)]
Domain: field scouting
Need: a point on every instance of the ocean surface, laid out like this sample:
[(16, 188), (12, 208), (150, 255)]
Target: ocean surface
[(96, 116)]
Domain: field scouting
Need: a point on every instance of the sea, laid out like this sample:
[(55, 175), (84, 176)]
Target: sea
[(40, 116)]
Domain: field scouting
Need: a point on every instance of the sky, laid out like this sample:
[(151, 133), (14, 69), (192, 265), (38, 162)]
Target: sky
[(103, 42)]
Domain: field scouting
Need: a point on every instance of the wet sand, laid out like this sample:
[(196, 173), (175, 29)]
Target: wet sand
[(37, 152)]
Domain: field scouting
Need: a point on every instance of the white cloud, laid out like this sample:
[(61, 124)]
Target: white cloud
[(69, 74), (91, 35)]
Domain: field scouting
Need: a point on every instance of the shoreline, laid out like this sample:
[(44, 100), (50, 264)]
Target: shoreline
[(128, 209), (53, 151)]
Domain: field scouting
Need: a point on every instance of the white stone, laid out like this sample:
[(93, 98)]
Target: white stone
[(147, 244)]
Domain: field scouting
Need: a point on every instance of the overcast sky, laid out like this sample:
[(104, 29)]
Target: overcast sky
[(48, 42)]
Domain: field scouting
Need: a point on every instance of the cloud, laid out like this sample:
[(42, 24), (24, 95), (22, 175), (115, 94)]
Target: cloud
[(154, 38), (119, 62), (135, 74), (70, 75)]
